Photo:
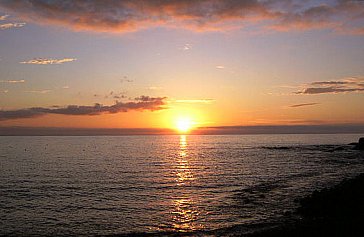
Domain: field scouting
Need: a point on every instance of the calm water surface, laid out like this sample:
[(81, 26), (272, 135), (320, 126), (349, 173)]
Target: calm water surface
[(146, 184)]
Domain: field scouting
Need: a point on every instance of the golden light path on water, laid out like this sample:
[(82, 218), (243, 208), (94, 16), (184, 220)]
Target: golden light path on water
[(185, 209)]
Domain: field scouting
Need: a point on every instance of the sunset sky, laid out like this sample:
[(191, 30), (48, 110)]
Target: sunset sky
[(151, 64)]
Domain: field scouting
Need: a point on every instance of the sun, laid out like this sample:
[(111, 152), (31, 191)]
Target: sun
[(184, 125)]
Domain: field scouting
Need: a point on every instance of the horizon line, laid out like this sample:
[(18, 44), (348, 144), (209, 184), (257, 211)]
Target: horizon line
[(213, 130)]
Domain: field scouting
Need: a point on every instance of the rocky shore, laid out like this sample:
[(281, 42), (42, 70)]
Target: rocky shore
[(338, 211)]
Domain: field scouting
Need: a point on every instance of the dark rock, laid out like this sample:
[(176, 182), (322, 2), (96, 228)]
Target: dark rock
[(334, 212), (361, 141), (360, 145)]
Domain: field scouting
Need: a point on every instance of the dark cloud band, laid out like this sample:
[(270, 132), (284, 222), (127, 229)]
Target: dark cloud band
[(303, 105), (140, 103), (131, 15), (341, 86)]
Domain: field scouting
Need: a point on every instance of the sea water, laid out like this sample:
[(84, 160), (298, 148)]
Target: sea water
[(106, 185)]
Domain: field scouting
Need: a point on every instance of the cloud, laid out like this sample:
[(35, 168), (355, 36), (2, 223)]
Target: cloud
[(2, 18), (45, 61), (39, 91), (113, 94), (6, 26), (220, 67), (302, 105), (140, 104), (186, 47), (132, 15), (155, 88), (125, 79), (328, 90), (329, 83), (343, 16), (119, 96), (12, 81), (149, 99), (196, 101), (347, 85), (11, 25)]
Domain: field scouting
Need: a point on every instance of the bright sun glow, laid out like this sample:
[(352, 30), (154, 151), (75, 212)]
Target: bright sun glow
[(184, 125)]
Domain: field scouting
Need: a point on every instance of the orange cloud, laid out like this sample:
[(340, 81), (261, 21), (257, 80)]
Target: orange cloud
[(45, 61), (12, 81), (11, 25), (2, 18)]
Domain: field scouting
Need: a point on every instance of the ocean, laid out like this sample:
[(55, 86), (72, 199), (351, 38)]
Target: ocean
[(163, 185)]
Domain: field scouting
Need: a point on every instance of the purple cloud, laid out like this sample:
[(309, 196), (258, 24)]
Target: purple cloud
[(302, 105), (131, 15), (340, 86), (141, 103)]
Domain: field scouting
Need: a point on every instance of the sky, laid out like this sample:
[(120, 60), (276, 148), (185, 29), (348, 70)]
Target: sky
[(153, 64)]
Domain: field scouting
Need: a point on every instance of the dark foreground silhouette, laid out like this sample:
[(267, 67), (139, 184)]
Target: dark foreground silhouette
[(338, 211), (360, 144)]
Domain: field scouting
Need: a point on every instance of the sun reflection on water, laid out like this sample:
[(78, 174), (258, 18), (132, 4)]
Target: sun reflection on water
[(185, 215), (185, 211), (183, 170)]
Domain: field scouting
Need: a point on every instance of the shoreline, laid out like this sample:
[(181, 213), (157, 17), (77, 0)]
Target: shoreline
[(335, 211)]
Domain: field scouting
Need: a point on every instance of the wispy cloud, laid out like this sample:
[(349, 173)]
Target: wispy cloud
[(196, 101), (113, 95), (125, 79), (39, 91), (343, 16), (347, 85), (220, 67), (303, 105), (140, 104), (11, 25), (119, 97), (3, 17), (155, 88), (45, 61), (12, 81), (186, 47)]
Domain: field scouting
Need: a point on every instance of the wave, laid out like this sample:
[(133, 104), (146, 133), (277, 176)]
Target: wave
[(325, 148)]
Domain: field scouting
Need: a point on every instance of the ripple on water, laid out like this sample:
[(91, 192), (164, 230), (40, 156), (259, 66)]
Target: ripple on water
[(139, 184)]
